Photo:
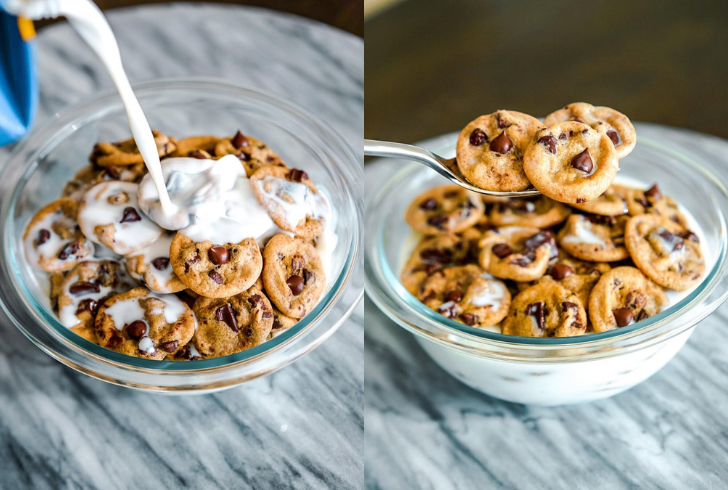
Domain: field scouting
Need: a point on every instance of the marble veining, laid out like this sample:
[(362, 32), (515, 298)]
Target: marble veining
[(301, 427), (426, 430)]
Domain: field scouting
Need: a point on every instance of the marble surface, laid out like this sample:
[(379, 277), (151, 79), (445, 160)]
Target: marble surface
[(298, 428), (426, 430)]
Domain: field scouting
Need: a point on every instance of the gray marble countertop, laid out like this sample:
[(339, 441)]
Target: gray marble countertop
[(426, 430), (301, 427)]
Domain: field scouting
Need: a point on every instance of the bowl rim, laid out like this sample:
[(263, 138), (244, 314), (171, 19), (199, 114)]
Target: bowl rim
[(59, 126), (384, 288)]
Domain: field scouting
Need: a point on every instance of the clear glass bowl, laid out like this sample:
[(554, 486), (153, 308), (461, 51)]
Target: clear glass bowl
[(549, 370), (36, 171)]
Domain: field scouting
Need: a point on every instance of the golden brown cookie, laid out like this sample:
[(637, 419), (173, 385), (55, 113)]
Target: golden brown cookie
[(252, 152), (291, 199), (490, 150), (91, 175), (466, 295), (215, 270), (624, 296), (434, 254), (201, 146), (109, 215), (605, 120), (123, 153), (570, 162), (84, 289), (666, 252), (594, 238), (52, 240), (293, 275), (652, 201), (545, 310), (577, 276), (517, 253), (612, 203), (234, 324), (151, 266), (537, 212), (143, 324), (444, 209)]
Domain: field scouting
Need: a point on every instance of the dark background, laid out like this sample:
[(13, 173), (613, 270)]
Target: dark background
[(344, 14), (432, 65)]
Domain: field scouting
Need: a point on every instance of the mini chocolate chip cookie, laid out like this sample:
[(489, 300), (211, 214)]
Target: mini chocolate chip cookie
[(434, 254), (293, 275), (535, 212), (594, 238), (577, 276), (52, 240), (252, 152), (84, 289), (123, 153), (234, 324), (215, 270), (91, 175), (570, 162), (466, 294), (142, 324), (109, 215), (652, 201), (490, 150), (545, 310), (517, 253), (624, 296), (201, 146), (666, 252), (151, 265), (605, 120), (444, 209), (291, 199), (612, 203)]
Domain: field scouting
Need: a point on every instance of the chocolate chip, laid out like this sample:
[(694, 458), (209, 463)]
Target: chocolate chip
[(160, 263), (243, 157), (218, 255), (276, 323), (448, 309), (226, 314), (538, 312), (540, 238), (43, 236), (584, 131), (434, 255), (428, 204), (561, 271), (438, 221), (568, 305), (502, 250), (571, 133), (130, 215), (470, 319), (577, 325), (478, 137), (255, 300), (89, 305), (689, 235), (82, 287), (452, 194), (68, 250), (583, 162), (136, 329), (580, 200), (267, 314), (654, 193), (598, 219), (623, 317), (675, 241), (549, 142), (562, 136), (112, 172), (522, 261), (501, 123), (239, 140), (215, 276), (295, 283), (613, 136), (170, 346), (308, 277), (456, 296), (501, 144), (643, 314), (297, 175), (198, 155)]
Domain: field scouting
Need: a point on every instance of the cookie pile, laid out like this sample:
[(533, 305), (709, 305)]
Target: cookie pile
[(540, 268), (120, 280), (572, 157)]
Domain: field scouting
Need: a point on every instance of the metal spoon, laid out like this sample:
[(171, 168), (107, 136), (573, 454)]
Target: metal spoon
[(443, 166)]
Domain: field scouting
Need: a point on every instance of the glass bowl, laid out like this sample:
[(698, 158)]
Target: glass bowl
[(39, 166), (549, 371)]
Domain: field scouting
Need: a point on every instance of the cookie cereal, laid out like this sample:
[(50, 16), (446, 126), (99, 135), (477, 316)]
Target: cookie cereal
[(545, 310), (444, 209), (151, 265), (538, 212), (594, 238), (517, 253)]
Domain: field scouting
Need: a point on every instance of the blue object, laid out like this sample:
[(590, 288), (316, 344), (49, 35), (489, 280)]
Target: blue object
[(18, 83)]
